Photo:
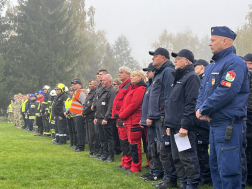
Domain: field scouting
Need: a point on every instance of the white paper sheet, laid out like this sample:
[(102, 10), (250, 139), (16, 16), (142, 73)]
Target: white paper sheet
[(182, 142)]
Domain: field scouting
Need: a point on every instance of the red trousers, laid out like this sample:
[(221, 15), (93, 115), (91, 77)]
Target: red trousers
[(125, 146), (134, 133)]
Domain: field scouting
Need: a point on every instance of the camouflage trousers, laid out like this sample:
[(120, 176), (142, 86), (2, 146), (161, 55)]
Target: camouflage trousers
[(10, 117), (17, 119)]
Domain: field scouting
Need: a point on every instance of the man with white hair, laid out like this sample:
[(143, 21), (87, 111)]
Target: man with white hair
[(103, 120), (125, 87)]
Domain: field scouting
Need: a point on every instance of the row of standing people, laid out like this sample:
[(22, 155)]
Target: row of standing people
[(175, 101)]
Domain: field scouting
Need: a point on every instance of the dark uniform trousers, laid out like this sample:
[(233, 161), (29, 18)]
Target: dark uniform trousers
[(154, 161), (39, 124), (79, 123), (225, 155), (46, 125), (30, 124), (186, 162), (249, 149), (91, 136), (106, 138), (202, 141), (164, 151), (118, 149), (72, 132), (25, 121), (243, 157), (61, 126)]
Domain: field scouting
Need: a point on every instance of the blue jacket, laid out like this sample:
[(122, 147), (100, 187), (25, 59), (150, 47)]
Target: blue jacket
[(202, 124), (160, 90), (180, 109), (224, 89), (145, 103)]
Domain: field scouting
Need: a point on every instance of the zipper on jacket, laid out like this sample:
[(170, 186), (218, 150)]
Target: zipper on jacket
[(224, 149)]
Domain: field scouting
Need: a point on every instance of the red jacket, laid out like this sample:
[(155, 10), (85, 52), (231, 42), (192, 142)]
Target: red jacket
[(41, 99), (118, 101), (130, 112)]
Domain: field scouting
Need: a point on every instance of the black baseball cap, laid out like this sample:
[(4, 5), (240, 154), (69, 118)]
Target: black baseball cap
[(184, 53), (150, 67), (201, 62), (76, 81), (247, 57), (161, 51)]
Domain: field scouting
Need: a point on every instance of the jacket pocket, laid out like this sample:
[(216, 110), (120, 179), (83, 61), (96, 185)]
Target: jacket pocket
[(230, 161)]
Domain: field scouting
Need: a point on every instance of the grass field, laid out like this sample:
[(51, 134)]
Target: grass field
[(27, 161)]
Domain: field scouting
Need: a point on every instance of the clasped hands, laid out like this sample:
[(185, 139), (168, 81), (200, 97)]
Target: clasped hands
[(202, 117)]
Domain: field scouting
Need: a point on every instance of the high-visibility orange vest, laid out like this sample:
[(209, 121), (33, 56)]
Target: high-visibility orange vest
[(76, 106)]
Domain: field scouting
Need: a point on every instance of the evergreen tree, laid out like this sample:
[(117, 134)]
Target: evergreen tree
[(122, 53), (45, 47)]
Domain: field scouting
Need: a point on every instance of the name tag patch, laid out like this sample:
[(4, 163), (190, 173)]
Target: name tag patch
[(103, 103)]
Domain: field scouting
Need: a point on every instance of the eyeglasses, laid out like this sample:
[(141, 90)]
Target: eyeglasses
[(70, 90), (179, 58)]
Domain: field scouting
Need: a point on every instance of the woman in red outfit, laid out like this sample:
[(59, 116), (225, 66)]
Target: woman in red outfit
[(130, 113)]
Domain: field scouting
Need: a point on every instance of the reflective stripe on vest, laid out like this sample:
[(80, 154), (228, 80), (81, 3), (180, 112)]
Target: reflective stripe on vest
[(76, 107)]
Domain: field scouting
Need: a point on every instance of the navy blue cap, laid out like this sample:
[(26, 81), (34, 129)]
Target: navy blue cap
[(161, 51), (150, 67), (77, 81), (201, 62), (184, 53), (223, 31), (248, 57)]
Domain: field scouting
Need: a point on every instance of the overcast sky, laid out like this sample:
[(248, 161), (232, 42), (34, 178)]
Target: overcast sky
[(142, 21)]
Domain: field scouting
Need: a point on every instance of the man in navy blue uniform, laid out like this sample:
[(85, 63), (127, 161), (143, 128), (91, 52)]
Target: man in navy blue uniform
[(159, 94), (180, 118), (202, 134), (222, 102)]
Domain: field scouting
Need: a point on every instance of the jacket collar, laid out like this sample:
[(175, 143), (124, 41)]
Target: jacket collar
[(219, 55), (140, 83), (123, 84), (179, 73), (168, 63), (108, 89)]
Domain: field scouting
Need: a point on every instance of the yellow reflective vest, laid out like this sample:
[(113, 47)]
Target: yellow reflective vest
[(23, 105), (10, 110)]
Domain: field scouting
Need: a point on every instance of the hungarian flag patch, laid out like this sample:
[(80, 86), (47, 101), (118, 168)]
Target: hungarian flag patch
[(226, 83), (230, 76)]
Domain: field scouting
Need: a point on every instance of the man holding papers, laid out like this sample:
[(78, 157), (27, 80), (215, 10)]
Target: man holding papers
[(181, 120)]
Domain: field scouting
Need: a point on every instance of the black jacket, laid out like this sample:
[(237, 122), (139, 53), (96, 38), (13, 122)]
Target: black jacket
[(87, 105), (249, 108), (104, 103), (46, 103), (58, 105), (180, 109)]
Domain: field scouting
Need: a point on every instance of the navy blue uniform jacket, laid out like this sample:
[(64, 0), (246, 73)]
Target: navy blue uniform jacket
[(160, 90), (224, 89)]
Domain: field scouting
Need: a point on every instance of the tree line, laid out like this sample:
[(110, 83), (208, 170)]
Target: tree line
[(52, 41)]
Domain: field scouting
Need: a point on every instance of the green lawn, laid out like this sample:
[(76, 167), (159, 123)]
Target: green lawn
[(27, 161)]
